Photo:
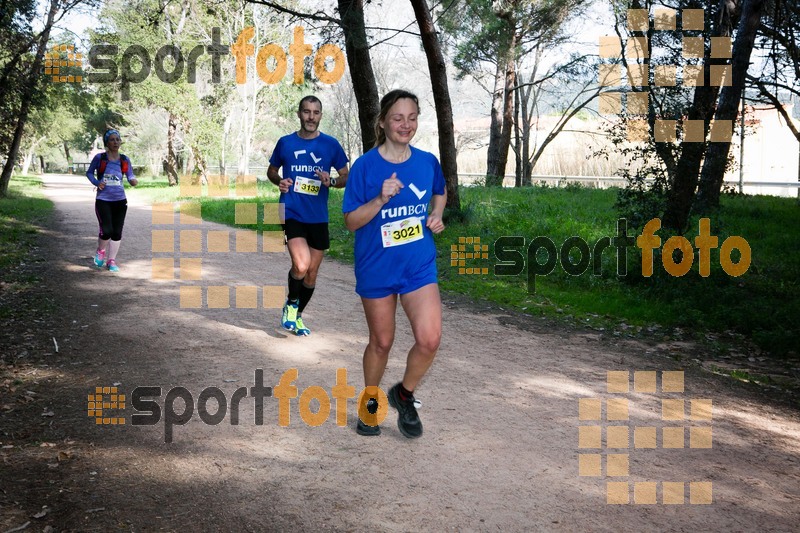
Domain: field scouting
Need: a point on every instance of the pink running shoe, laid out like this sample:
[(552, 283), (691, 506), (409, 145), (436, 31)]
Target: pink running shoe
[(99, 258)]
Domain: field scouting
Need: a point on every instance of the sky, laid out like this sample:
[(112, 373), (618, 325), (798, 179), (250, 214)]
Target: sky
[(78, 21)]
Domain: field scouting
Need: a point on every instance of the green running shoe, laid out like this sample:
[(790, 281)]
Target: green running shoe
[(289, 318), (302, 330)]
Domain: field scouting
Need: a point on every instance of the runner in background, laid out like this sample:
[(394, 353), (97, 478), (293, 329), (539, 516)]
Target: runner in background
[(394, 202), (306, 158), (111, 204)]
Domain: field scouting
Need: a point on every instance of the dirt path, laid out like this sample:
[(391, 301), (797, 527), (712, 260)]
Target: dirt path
[(500, 408)]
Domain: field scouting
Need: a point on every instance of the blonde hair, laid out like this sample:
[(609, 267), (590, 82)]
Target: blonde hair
[(388, 100)]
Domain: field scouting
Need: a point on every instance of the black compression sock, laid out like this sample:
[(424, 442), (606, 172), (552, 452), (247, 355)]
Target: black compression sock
[(295, 286), (305, 296)]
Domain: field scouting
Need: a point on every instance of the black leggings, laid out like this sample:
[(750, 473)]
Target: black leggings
[(111, 217)]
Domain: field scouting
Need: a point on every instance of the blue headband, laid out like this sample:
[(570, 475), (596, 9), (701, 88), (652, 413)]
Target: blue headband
[(108, 134)]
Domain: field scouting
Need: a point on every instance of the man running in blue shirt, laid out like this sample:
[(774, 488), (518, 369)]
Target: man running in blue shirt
[(306, 157)]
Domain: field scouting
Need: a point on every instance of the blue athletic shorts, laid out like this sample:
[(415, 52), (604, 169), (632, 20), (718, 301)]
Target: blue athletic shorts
[(402, 286)]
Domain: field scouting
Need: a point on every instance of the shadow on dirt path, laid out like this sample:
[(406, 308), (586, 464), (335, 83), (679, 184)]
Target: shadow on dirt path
[(503, 437)]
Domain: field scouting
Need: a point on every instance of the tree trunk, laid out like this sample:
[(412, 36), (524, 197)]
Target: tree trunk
[(41, 164), (495, 127), (191, 166), (172, 161), (249, 125), (34, 78), (525, 125), (500, 131), (502, 102), (714, 165), (508, 111), (560, 125), (27, 159), (225, 132), (364, 86), (687, 170), (517, 146), (441, 99), (528, 108), (200, 164), (30, 154), (69, 157)]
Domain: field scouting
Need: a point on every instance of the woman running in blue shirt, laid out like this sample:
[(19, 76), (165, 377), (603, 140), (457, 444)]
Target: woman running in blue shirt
[(110, 204), (393, 202)]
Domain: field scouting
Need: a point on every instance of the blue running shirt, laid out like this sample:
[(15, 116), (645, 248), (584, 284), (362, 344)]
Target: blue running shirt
[(307, 199), (114, 189), (395, 245)]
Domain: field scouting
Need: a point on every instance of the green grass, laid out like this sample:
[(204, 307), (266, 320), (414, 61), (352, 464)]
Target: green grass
[(762, 304), (216, 209), (23, 214)]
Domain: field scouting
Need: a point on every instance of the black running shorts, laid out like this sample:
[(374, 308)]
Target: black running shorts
[(315, 234)]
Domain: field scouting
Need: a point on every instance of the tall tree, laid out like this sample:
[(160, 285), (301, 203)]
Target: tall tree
[(714, 164), (502, 96), (31, 84), (441, 98), (139, 33), (351, 23), (570, 86), (681, 162), (358, 59), (56, 125), (678, 163), (196, 110), (684, 180), (496, 35), (16, 40)]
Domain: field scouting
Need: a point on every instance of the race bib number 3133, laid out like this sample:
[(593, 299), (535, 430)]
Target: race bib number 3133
[(307, 186), (401, 232)]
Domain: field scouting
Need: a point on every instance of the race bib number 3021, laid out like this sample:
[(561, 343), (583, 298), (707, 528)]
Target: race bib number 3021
[(401, 232), (307, 186)]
